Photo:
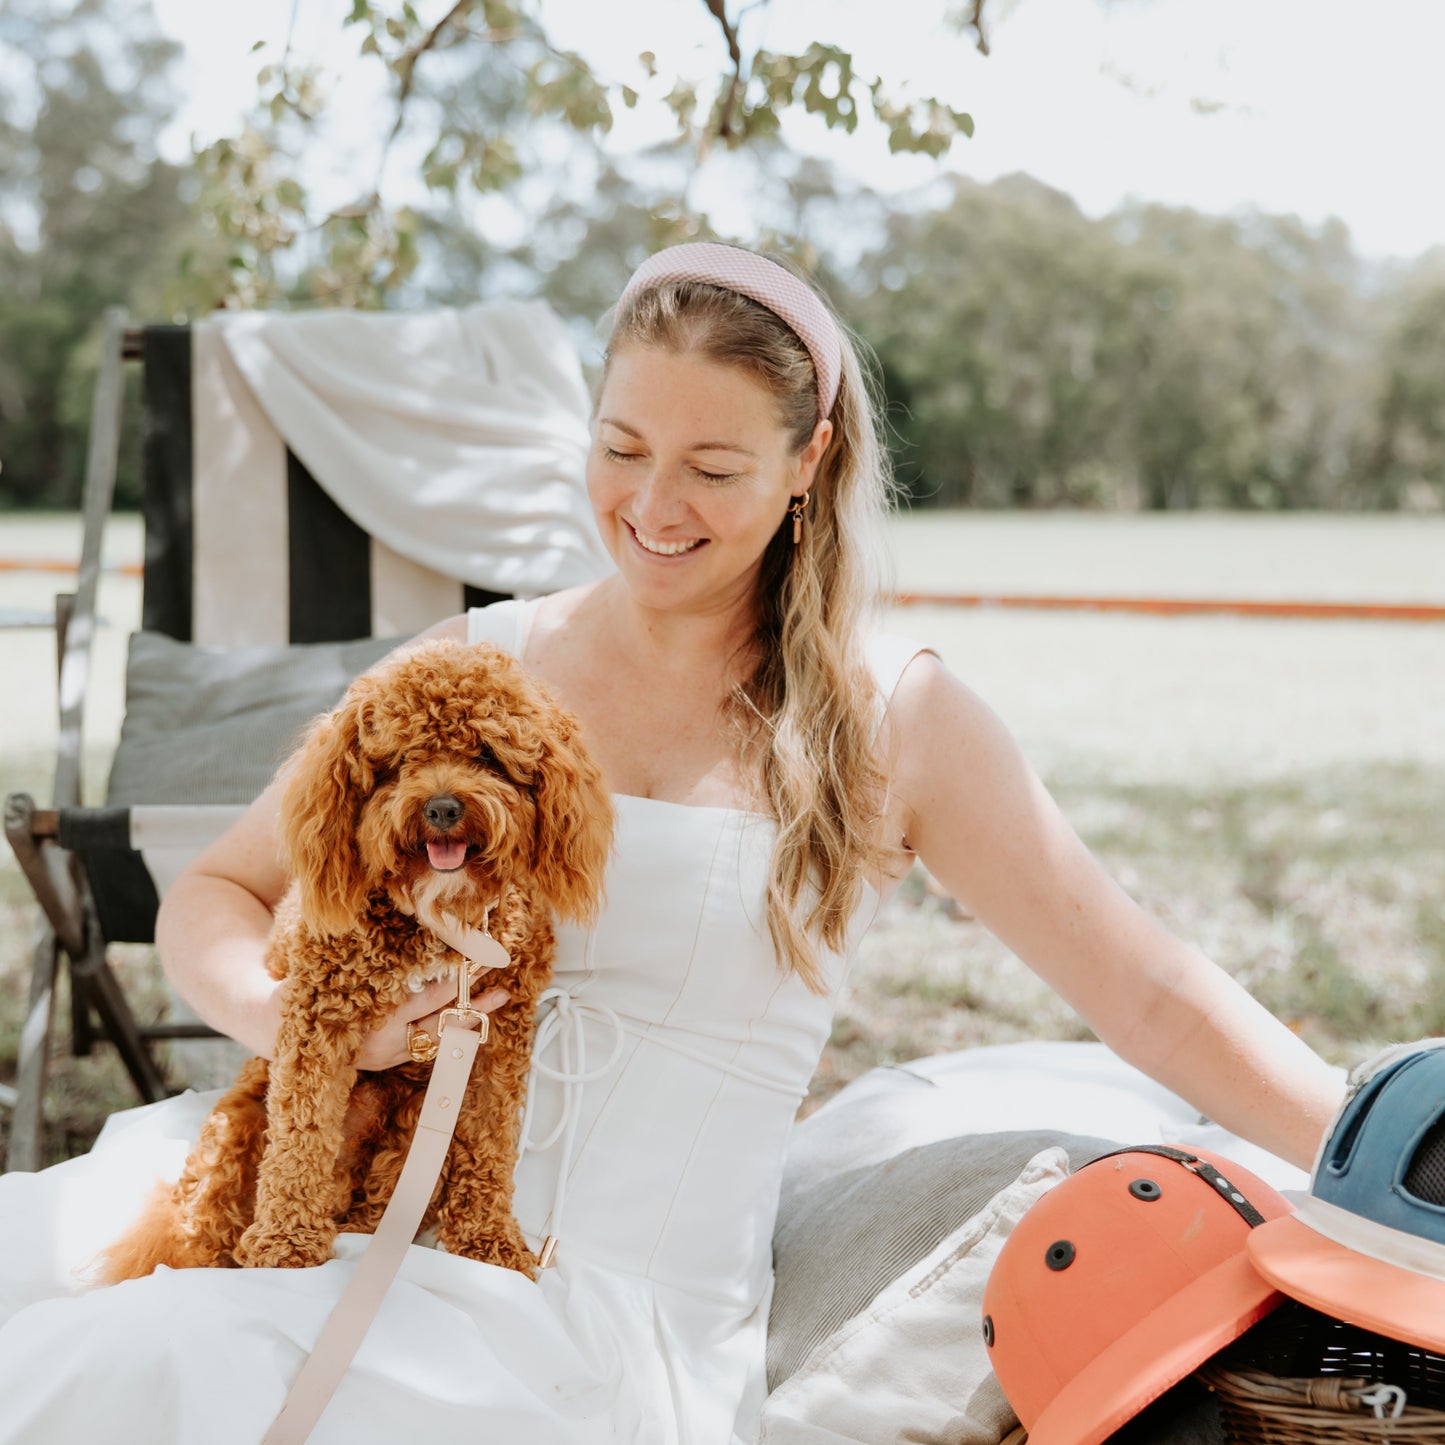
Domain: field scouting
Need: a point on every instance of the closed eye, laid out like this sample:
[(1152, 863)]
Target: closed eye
[(613, 455)]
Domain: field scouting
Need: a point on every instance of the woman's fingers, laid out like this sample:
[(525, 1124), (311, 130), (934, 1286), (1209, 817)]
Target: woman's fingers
[(431, 1000), (390, 1044), (491, 1000), (483, 1003)]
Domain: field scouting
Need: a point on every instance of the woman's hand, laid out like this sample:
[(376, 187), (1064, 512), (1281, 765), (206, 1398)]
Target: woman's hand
[(387, 1047)]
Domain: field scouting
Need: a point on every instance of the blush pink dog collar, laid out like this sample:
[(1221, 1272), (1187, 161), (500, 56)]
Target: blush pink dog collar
[(765, 282)]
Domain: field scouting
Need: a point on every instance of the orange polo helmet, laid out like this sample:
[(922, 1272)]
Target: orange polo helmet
[(1119, 1282)]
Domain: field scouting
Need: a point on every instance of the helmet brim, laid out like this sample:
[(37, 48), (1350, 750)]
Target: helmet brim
[(1342, 1282), (1172, 1341)]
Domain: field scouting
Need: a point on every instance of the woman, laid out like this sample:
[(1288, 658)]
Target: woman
[(776, 769)]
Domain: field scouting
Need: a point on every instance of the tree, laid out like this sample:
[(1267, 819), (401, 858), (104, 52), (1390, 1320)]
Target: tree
[(1153, 358), (1254, 358), (1007, 326), (89, 217), (1407, 452)]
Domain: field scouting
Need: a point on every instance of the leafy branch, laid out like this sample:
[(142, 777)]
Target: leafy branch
[(259, 207)]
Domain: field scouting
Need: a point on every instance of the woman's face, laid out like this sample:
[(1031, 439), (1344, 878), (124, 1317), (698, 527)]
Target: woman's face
[(691, 475)]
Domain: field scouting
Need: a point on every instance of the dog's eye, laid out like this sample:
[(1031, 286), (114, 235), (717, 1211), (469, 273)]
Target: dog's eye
[(488, 759)]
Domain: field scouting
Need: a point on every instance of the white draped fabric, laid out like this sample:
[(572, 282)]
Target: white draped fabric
[(457, 437)]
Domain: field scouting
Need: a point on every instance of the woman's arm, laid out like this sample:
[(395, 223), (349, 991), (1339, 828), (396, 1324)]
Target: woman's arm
[(984, 825), (213, 923), (212, 927)]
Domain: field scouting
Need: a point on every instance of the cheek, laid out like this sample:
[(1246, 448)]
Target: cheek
[(749, 509), (604, 486), (773, 499)]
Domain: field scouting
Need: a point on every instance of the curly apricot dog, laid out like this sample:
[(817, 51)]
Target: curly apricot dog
[(446, 781)]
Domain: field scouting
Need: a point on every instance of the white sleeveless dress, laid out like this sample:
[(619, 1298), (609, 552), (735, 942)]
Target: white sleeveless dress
[(670, 1059)]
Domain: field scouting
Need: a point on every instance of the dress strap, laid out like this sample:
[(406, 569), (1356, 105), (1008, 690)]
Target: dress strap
[(500, 623), (888, 656)]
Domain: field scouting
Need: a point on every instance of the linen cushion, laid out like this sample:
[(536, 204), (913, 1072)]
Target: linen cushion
[(205, 725), (910, 1363), (913, 1365), (840, 1239)]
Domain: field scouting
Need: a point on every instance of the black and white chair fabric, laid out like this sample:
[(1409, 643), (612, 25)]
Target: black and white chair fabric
[(317, 486)]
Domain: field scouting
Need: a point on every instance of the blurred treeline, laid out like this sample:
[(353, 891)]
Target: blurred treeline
[(1156, 358), (1032, 356)]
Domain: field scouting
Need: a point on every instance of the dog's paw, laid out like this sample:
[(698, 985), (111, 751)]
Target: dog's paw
[(295, 1249)]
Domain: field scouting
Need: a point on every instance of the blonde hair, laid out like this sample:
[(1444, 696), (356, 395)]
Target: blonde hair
[(810, 711)]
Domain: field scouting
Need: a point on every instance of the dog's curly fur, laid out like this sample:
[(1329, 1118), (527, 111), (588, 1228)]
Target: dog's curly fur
[(307, 1145)]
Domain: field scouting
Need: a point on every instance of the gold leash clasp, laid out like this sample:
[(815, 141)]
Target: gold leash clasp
[(464, 1014)]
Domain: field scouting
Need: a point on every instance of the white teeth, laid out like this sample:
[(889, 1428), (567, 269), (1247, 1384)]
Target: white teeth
[(665, 549)]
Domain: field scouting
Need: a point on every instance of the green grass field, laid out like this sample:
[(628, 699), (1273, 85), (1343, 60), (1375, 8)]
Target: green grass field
[(1321, 894), (1274, 792)]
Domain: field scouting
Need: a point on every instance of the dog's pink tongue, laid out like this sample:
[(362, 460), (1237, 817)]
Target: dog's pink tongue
[(446, 855)]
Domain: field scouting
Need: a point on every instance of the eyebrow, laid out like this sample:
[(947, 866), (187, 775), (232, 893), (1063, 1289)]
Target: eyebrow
[(694, 447)]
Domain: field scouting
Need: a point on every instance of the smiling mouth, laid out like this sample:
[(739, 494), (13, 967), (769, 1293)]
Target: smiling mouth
[(446, 855), (660, 548)]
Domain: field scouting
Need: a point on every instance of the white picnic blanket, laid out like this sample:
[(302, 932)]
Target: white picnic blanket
[(1075, 1088)]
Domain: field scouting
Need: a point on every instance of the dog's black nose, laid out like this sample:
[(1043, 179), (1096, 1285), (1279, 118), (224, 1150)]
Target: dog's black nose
[(442, 811)]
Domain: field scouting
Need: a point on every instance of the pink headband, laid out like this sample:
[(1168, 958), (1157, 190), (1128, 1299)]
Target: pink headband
[(765, 282)]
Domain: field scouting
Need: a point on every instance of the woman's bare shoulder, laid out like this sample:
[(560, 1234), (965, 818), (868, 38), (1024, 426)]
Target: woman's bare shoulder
[(562, 633), (559, 609), (929, 695), (949, 750), (450, 629)]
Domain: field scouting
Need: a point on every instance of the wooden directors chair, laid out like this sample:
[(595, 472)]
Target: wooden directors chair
[(317, 487)]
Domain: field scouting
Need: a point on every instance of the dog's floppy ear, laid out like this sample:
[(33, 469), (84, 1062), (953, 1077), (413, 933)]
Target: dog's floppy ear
[(574, 823), (326, 782)]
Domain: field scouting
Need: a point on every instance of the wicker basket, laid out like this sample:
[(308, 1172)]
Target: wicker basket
[(1263, 1409), (1302, 1378)]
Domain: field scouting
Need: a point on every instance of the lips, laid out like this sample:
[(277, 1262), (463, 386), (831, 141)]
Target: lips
[(446, 855)]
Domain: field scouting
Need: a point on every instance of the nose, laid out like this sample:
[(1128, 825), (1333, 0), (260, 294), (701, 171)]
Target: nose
[(658, 500), (442, 811)]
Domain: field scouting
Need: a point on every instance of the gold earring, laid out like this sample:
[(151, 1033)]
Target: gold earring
[(797, 510)]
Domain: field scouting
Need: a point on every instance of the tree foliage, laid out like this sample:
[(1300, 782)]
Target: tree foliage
[(480, 93), (1407, 454), (1154, 358), (89, 217)]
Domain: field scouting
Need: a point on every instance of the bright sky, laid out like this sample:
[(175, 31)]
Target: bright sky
[(1317, 107)]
